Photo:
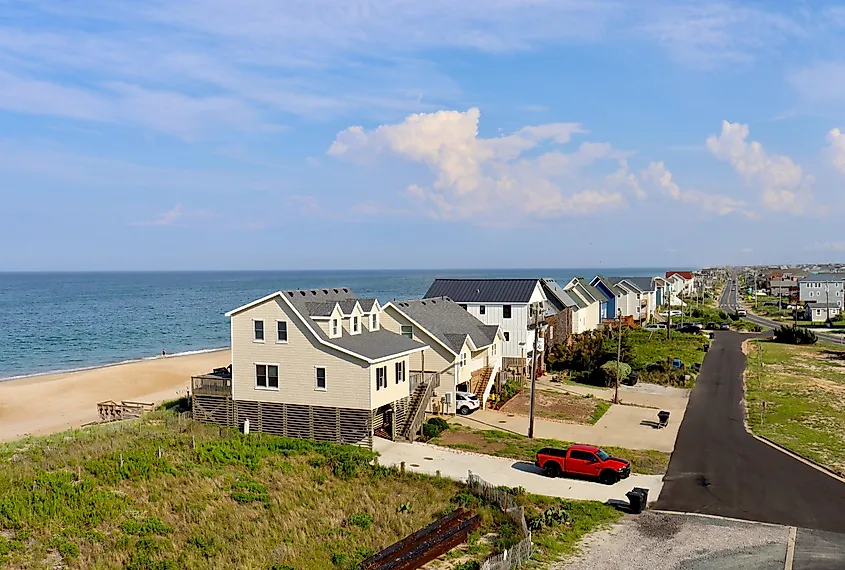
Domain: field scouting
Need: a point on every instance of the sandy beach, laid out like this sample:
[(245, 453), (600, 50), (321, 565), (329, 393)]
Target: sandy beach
[(52, 403)]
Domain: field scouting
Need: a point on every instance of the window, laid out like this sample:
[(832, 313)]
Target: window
[(281, 331), (375, 322), (258, 328), (354, 324), (267, 376), (334, 327), (400, 371), (506, 311), (463, 359), (507, 336), (482, 310), (494, 349), (581, 455), (321, 378), (408, 331), (381, 377), (464, 307)]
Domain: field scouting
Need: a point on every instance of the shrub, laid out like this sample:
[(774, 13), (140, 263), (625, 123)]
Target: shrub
[(610, 369), (246, 490), (146, 527), (552, 516), (361, 520), (795, 335), (468, 565), (465, 499), (434, 427)]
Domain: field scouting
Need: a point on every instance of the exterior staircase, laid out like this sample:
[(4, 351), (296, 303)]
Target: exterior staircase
[(423, 386), (480, 379)]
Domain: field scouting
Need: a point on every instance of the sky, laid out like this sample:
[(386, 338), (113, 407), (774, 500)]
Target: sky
[(259, 134)]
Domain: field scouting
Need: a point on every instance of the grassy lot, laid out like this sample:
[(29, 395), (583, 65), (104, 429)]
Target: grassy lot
[(552, 405), (517, 446), (653, 347), (154, 494), (803, 388)]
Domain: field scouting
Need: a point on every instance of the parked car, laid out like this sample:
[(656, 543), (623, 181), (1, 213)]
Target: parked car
[(725, 327), (690, 328), (742, 312), (583, 460), (655, 327), (712, 326), (466, 402)]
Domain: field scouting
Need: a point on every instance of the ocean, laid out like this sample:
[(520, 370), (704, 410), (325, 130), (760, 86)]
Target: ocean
[(52, 322)]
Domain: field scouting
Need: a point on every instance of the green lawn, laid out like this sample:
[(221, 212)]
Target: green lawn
[(516, 446), (653, 347), (803, 388)]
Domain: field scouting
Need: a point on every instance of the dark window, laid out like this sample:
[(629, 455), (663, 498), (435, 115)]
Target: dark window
[(482, 309), (334, 327), (381, 377), (258, 327), (464, 307), (321, 378), (266, 376), (354, 324), (400, 371), (282, 331), (581, 455), (506, 311), (408, 331), (261, 375), (507, 336)]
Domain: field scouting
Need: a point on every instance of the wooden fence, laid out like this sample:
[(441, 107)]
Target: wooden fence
[(521, 551)]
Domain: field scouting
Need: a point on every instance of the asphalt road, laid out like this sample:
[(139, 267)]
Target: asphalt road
[(718, 468)]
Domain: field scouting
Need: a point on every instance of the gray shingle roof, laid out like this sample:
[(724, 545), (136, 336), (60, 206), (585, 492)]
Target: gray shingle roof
[(824, 277), (641, 283), (483, 290), (376, 344), (367, 304), (320, 309), (559, 298), (448, 322), (609, 284)]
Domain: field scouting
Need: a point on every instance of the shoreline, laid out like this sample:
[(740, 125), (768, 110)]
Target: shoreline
[(28, 375), (45, 404)]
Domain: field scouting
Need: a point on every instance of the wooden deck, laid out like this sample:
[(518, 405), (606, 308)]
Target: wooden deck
[(111, 411)]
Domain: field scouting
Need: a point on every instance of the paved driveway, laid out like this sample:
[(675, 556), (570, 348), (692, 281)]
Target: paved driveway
[(719, 468), (423, 458)]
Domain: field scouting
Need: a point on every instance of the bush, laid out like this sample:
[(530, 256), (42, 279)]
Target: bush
[(246, 490), (795, 335), (434, 427), (468, 565), (610, 370), (146, 527), (361, 520), (552, 516)]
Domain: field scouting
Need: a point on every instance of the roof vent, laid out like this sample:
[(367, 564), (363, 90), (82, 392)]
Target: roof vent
[(290, 293), (325, 291), (336, 291), (313, 292), (478, 290), (345, 290), (302, 293)]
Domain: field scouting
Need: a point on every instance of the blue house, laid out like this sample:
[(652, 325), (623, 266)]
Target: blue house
[(610, 294)]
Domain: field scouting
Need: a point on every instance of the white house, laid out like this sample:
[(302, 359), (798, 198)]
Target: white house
[(508, 303), (823, 288), (588, 317), (821, 312)]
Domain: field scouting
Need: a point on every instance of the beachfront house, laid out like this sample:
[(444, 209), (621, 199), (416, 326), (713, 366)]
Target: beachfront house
[(823, 288), (463, 351), (644, 295), (682, 282), (317, 364), (561, 308), (821, 312), (508, 303), (594, 305)]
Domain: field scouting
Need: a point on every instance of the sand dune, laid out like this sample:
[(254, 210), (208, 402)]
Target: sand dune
[(47, 404)]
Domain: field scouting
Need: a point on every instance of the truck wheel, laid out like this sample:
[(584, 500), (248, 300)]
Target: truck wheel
[(552, 469), (608, 477)]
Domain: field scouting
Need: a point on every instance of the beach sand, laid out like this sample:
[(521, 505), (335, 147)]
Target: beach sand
[(47, 404)]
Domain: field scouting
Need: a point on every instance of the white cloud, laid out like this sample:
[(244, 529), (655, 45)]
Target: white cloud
[(176, 216), (711, 203), (624, 177), (836, 149), (782, 183), (475, 175)]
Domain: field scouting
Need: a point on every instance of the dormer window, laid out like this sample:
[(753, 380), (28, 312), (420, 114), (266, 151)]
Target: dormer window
[(355, 325), (335, 328), (374, 318)]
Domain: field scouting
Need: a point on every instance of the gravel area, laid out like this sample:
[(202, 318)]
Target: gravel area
[(656, 541)]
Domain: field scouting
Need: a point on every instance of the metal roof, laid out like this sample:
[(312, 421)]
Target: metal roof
[(483, 290)]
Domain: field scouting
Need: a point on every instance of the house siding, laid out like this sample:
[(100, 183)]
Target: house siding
[(347, 377), (393, 391), (516, 326)]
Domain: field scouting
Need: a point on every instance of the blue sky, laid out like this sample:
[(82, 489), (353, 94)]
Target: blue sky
[(259, 134)]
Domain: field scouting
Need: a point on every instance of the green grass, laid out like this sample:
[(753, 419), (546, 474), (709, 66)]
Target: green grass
[(803, 388), (516, 446), (653, 347), (601, 408), (104, 497)]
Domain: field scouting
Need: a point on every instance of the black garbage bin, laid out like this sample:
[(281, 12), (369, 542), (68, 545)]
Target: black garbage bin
[(644, 492), (635, 498), (662, 418)]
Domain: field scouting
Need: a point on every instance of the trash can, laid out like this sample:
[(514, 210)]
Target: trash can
[(644, 492), (663, 417), (635, 498)]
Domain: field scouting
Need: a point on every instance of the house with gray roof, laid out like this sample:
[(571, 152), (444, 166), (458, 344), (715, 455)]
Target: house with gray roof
[(317, 363), (595, 304), (507, 303), (823, 288), (464, 351)]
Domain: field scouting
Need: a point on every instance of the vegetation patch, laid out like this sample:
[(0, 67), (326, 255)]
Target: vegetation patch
[(558, 406), (795, 395), (516, 446)]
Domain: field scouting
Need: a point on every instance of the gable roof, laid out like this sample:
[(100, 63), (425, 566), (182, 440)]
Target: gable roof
[(685, 274), (823, 277), (309, 304), (483, 290), (559, 298), (642, 283), (447, 322), (609, 284), (587, 291)]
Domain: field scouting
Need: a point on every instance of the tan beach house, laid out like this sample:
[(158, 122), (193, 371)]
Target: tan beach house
[(318, 364)]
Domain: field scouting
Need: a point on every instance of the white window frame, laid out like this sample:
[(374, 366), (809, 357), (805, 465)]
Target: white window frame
[(407, 331), (335, 328), (263, 331), (482, 309), (317, 379), (267, 376), (278, 341), (463, 361), (378, 380), (399, 371), (494, 349), (374, 322), (356, 324)]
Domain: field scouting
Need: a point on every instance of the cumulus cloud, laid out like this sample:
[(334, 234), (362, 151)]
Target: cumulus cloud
[(782, 183), (836, 149), (474, 175), (719, 204), (624, 177)]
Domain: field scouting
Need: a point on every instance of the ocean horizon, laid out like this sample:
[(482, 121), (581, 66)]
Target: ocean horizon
[(65, 321)]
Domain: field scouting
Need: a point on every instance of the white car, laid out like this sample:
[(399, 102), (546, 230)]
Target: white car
[(655, 327), (466, 402)]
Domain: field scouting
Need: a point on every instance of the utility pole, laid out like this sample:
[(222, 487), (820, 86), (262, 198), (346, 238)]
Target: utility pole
[(668, 289), (827, 299), (618, 359), (533, 373)]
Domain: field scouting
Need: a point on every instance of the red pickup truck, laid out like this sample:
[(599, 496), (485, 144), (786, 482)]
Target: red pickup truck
[(583, 460)]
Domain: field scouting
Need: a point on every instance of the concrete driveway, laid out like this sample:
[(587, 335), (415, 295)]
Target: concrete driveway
[(643, 395), (622, 426), (424, 458)]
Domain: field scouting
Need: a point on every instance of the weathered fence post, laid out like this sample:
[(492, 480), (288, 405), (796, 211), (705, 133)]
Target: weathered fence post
[(402, 468)]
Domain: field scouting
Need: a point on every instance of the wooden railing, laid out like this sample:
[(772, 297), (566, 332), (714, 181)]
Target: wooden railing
[(211, 385), (428, 383)]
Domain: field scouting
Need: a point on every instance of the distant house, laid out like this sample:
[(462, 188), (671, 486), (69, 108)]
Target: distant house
[(508, 303), (561, 308), (823, 288), (821, 312), (592, 305), (614, 296), (646, 289), (466, 353), (683, 282), (316, 364)]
